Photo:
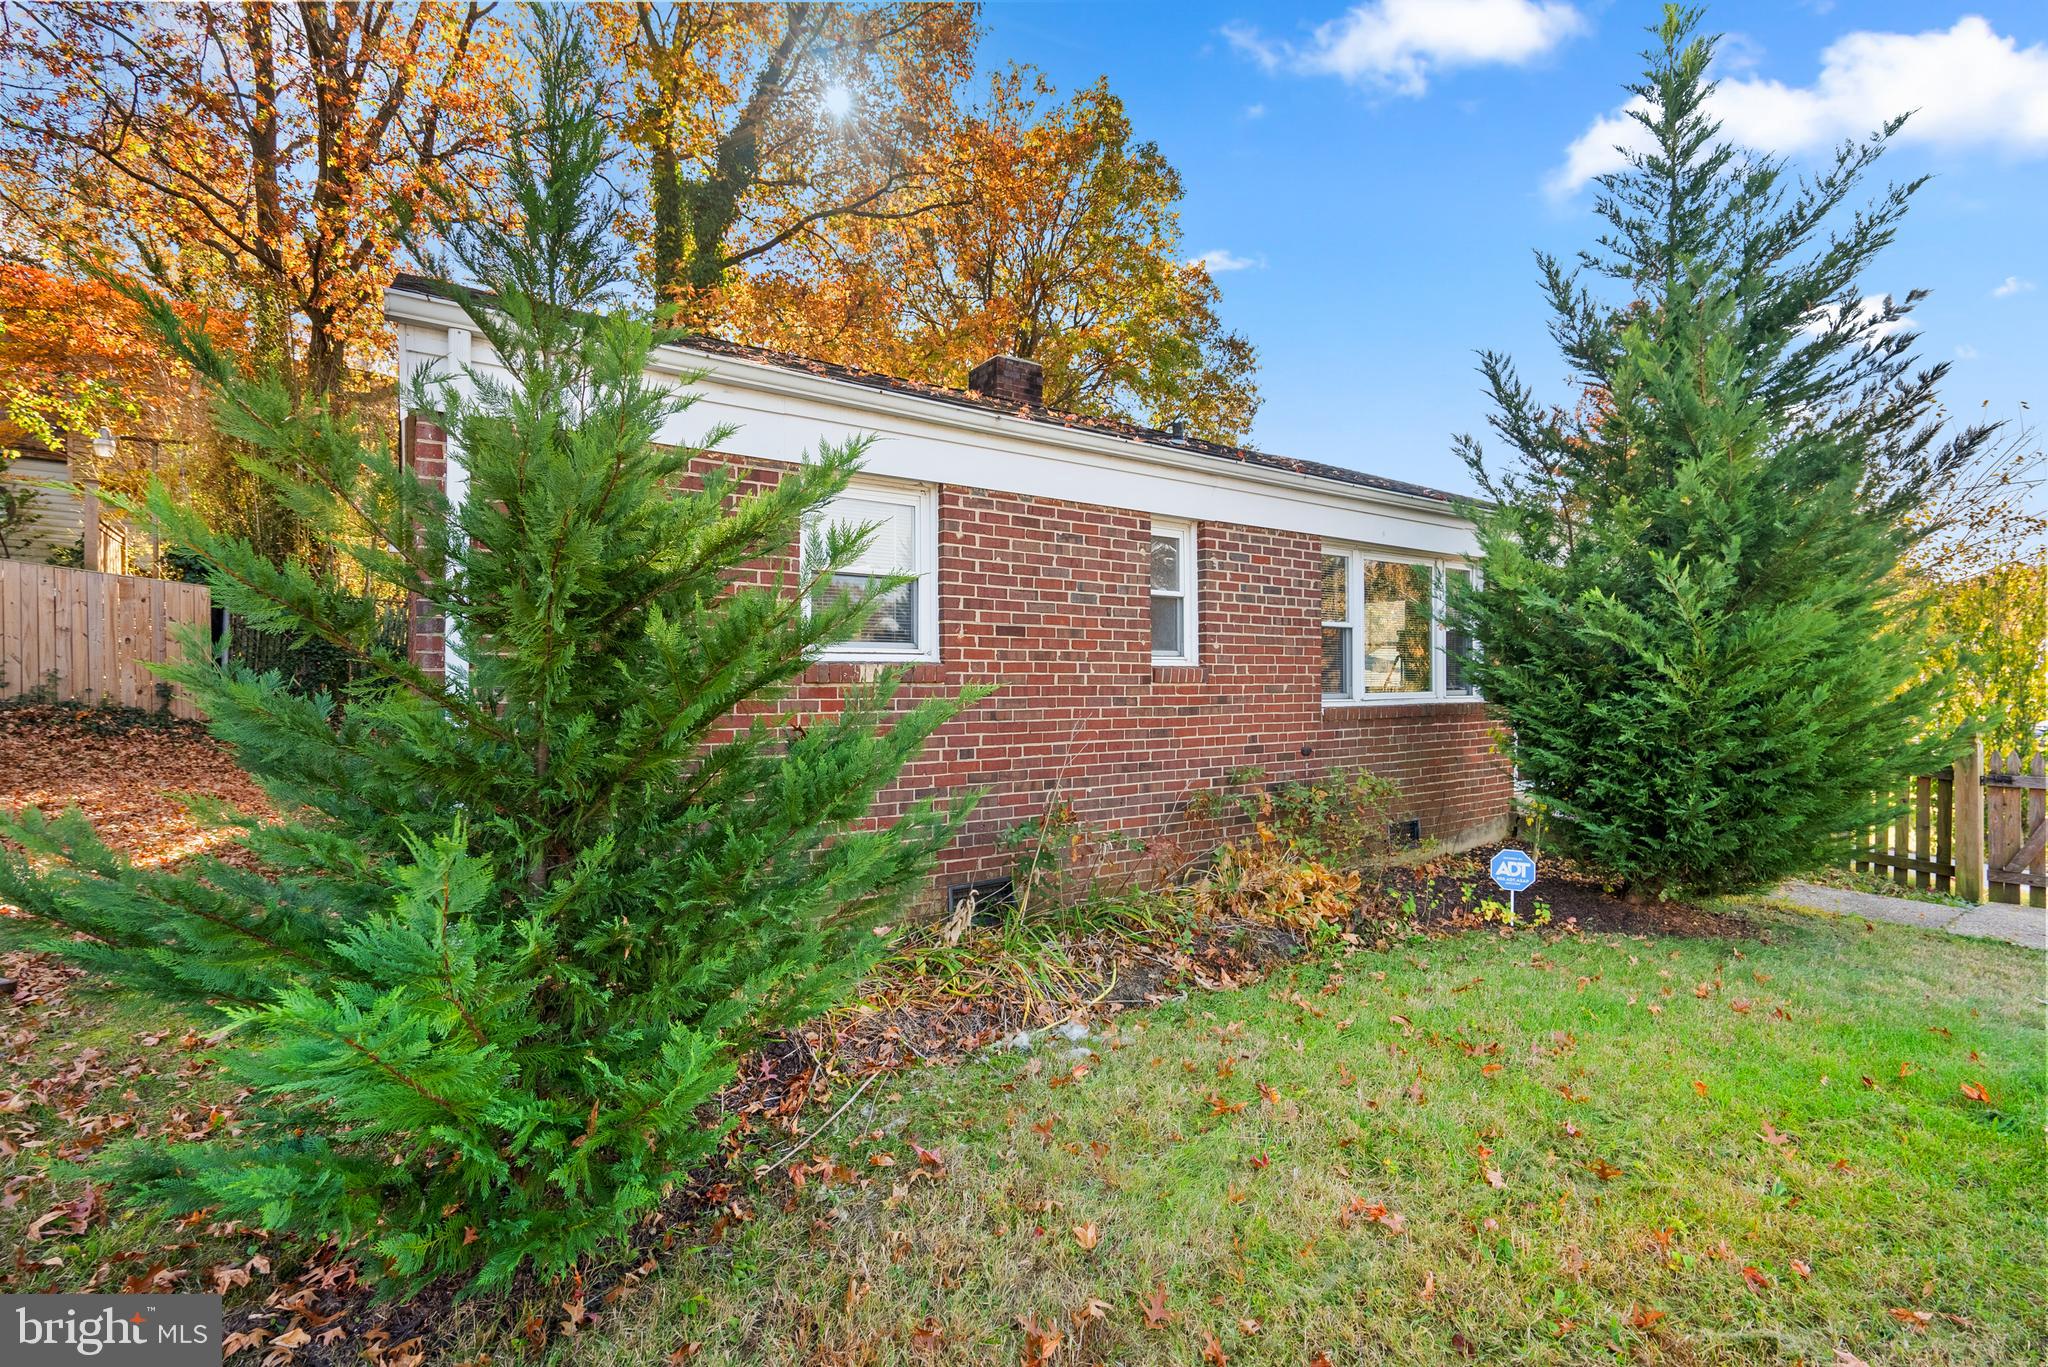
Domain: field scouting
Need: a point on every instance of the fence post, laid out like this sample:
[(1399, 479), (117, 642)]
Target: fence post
[(1969, 789)]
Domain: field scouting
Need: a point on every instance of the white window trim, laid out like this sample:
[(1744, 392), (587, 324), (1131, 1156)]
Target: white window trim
[(923, 499), (1355, 557), (1189, 591), (1442, 631)]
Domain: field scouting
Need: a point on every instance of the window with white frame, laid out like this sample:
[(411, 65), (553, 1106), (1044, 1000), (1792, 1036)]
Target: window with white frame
[(1337, 630), (905, 623), (1458, 645), (1384, 634), (1174, 627)]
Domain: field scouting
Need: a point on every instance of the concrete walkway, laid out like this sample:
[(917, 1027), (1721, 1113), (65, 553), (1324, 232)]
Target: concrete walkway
[(2025, 926)]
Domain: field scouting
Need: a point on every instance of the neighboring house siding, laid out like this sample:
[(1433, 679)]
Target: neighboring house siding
[(56, 517), (1050, 599)]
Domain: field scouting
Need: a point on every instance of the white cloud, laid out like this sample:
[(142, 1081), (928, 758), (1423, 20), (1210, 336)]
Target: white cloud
[(1965, 352), (1397, 45), (1223, 259), (1255, 111), (1967, 86), (1870, 306), (1251, 43), (2010, 286)]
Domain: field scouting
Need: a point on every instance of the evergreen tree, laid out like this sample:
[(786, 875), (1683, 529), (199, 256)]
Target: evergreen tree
[(1688, 601), (512, 926)]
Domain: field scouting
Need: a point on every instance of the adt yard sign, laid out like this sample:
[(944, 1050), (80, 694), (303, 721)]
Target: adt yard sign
[(1513, 870)]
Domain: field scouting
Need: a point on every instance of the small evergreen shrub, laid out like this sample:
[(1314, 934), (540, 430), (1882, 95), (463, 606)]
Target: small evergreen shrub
[(513, 925)]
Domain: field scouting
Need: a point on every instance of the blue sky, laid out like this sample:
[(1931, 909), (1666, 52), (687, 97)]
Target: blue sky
[(1379, 175)]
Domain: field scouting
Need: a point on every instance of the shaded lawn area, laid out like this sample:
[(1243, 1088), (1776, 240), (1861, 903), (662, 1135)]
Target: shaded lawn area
[(1661, 1149)]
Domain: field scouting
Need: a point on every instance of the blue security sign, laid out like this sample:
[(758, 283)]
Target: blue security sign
[(1513, 870)]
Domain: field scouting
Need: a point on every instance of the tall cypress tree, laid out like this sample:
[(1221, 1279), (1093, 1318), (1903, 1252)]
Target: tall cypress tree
[(512, 926), (1688, 602)]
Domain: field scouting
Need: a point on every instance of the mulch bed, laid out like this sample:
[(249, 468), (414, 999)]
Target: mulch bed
[(1446, 894), (314, 1310)]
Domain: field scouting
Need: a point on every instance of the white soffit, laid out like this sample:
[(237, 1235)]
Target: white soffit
[(784, 414)]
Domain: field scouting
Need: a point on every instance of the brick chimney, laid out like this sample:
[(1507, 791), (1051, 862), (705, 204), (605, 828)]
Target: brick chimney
[(1009, 379)]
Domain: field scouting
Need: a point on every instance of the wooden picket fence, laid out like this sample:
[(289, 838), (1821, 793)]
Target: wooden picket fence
[(81, 636), (1976, 831), (2016, 840)]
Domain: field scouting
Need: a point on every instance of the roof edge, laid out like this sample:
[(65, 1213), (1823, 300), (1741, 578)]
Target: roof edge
[(1152, 441)]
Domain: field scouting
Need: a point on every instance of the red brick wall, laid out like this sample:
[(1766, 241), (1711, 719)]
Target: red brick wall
[(1050, 600), (426, 450)]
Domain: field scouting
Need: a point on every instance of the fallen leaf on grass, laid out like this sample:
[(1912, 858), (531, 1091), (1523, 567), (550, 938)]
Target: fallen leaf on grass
[(1757, 1278), (1041, 1341), (1644, 1318), (1495, 1180), (1087, 1235), (1912, 1319), (1975, 1092), (1800, 1266), (1157, 1316), (1212, 1351), (235, 1343)]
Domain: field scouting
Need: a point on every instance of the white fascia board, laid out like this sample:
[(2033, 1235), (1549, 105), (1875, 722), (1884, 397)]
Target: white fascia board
[(783, 414)]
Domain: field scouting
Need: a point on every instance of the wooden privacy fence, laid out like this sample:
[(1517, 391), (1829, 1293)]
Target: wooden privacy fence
[(88, 637), (1977, 831)]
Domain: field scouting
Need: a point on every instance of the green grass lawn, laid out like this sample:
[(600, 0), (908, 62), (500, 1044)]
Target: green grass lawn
[(1466, 1149), (1664, 1150)]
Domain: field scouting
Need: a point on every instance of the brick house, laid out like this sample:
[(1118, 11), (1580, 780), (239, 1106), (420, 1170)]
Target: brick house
[(1162, 614)]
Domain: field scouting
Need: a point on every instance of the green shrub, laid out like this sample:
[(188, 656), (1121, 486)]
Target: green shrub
[(1690, 600), (1342, 819), (512, 927)]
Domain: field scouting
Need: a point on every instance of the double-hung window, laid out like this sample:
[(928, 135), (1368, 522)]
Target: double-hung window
[(1174, 625), (1458, 645), (905, 623), (1338, 630), (1384, 630)]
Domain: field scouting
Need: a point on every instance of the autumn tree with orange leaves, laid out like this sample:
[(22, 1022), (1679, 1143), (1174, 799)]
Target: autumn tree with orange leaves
[(254, 157), (1055, 237), (761, 126)]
